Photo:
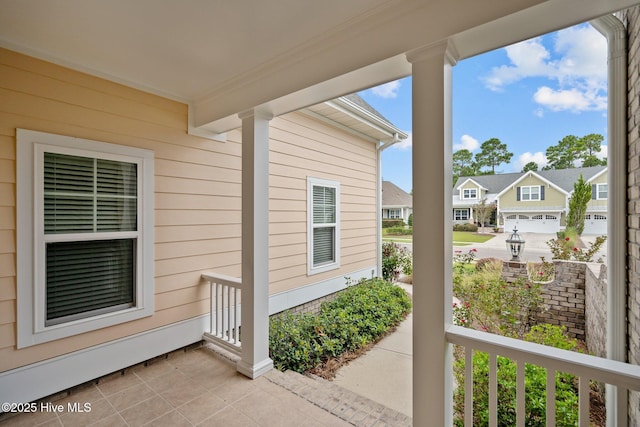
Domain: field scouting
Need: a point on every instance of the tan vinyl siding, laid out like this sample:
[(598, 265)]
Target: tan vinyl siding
[(197, 182), (197, 192), (552, 196), (303, 147), (599, 204)]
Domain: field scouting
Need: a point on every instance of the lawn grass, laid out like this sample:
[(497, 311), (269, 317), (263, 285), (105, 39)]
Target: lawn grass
[(460, 238), (470, 237)]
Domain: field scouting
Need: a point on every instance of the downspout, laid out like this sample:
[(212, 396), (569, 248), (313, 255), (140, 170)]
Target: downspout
[(617, 281), (382, 145)]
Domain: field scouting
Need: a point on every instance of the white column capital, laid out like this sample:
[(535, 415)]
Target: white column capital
[(444, 48), (258, 113)]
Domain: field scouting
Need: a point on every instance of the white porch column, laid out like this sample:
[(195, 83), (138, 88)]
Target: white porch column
[(255, 244), (432, 236)]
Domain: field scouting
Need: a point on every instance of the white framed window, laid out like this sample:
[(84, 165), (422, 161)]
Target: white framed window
[(395, 213), (323, 225), (85, 235), (470, 193), (461, 214), (602, 191), (529, 193)]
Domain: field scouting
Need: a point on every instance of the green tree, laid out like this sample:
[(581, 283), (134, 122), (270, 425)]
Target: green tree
[(493, 153), (483, 211), (578, 205), (564, 153), (571, 151), (463, 164), (531, 166)]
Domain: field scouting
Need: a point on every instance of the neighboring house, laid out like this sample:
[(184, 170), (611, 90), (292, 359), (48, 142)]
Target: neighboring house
[(169, 84), (396, 203), (534, 201)]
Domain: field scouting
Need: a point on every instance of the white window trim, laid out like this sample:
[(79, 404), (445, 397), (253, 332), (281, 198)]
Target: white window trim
[(311, 182), (598, 191), (475, 197), (31, 301), (461, 210), (530, 199)]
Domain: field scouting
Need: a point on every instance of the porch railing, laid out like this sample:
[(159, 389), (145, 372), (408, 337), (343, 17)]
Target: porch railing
[(584, 366), (225, 295)]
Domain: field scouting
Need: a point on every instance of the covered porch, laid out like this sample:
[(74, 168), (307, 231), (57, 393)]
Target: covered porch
[(324, 68)]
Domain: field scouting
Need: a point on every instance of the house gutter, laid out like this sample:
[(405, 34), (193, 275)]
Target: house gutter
[(617, 281)]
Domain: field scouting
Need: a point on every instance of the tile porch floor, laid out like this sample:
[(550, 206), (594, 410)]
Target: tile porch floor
[(198, 387)]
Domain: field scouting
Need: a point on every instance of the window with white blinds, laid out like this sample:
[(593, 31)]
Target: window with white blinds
[(324, 230), (85, 232), (97, 196)]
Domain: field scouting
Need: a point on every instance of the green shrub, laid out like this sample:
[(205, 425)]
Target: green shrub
[(494, 305), (386, 223), (399, 231), (535, 386), (410, 221), (357, 316), (465, 227), (395, 260)]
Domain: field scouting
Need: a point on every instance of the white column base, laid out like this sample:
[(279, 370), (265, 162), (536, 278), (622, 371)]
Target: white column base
[(256, 370)]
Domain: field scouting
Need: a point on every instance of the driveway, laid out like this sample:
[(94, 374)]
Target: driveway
[(534, 248)]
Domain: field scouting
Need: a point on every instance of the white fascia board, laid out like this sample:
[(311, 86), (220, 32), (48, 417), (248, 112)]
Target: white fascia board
[(603, 171), (472, 180), (526, 175), (367, 117), (216, 113)]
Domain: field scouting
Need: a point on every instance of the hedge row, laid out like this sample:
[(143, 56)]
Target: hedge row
[(358, 316)]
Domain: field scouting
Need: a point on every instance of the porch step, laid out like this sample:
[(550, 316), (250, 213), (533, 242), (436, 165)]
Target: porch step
[(345, 404)]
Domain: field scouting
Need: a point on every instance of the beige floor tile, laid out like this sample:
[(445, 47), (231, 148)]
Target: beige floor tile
[(82, 395), (170, 419), (111, 421), (217, 377), (229, 417), (116, 384), (168, 381), (202, 407), (146, 411), (183, 392), (236, 388), (131, 396), (27, 419), (157, 369), (99, 409)]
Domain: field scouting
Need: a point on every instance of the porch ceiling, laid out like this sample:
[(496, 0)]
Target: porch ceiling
[(223, 57)]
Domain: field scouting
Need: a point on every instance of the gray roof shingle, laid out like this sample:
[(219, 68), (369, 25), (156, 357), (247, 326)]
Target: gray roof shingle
[(563, 178), (392, 195)]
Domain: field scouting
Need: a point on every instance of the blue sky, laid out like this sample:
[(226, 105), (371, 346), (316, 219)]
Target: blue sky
[(529, 95)]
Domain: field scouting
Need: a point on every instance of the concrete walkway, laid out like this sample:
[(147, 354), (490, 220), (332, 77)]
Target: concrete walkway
[(384, 373)]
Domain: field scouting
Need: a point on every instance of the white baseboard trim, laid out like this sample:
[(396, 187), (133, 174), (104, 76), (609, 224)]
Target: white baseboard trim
[(254, 371), (295, 297), (38, 380), (32, 382)]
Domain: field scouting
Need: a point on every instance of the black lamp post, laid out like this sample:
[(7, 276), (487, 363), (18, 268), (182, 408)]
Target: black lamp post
[(515, 245)]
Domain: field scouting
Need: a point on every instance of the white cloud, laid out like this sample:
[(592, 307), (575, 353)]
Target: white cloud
[(467, 142), (577, 64), (524, 158), (604, 151), (387, 90), (573, 99), (405, 144)]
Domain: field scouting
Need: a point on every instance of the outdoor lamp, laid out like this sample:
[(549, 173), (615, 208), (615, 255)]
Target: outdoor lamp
[(515, 245)]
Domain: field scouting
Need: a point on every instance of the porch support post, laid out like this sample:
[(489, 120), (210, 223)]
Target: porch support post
[(255, 359), (432, 235), (617, 281)]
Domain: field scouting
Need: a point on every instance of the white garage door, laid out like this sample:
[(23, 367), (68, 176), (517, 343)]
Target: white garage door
[(532, 223), (595, 224)]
